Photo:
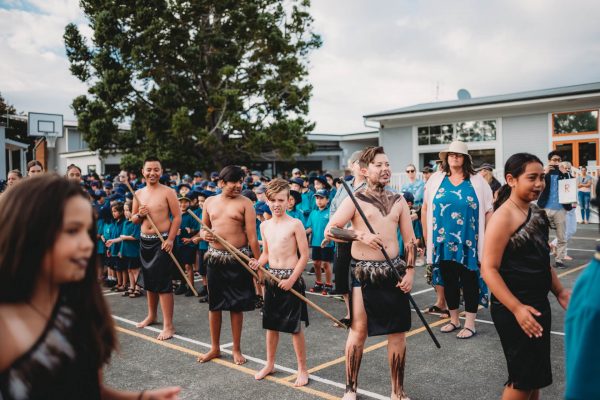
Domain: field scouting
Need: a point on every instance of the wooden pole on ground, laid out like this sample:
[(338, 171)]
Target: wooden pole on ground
[(190, 284), (233, 251)]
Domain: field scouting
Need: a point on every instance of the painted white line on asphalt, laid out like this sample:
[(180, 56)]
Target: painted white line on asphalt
[(422, 291), (226, 345), (581, 249), (259, 361)]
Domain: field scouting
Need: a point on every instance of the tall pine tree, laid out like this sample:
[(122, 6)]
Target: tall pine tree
[(202, 83)]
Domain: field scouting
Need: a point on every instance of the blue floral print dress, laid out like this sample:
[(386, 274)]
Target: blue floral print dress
[(455, 226)]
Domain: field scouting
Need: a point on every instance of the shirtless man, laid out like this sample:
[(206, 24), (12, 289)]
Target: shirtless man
[(379, 301), (160, 202), (230, 286), (283, 237)]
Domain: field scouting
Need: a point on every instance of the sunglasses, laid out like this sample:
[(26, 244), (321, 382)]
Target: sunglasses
[(410, 171), (455, 155)]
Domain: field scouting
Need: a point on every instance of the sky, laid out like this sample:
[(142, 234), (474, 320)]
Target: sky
[(376, 55)]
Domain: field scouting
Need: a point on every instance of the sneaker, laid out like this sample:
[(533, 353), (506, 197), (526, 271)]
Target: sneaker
[(318, 288), (181, 289), (196, 274), (312, 271), (559, 265)]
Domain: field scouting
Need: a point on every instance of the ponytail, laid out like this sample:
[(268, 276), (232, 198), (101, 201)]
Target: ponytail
[(502, 196)]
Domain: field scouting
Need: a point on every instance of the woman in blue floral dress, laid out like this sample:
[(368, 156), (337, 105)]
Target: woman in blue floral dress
[(457, 204)]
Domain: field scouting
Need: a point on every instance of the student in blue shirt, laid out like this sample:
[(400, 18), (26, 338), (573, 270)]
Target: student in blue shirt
[(130, 251), (202, 248), (113, 231), (185, 248), (293, 210), (321, 256)]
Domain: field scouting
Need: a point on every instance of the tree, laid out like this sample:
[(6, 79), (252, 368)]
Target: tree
[(201, 83), (15, 129)]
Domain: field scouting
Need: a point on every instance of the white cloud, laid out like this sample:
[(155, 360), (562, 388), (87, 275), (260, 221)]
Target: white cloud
[(376, 55)]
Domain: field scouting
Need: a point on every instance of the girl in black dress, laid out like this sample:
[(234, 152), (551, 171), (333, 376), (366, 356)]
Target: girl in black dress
[(516, 268), (56, 329)]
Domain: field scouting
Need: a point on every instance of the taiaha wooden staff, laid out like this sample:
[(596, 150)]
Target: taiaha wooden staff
[(158, 233), (391, 264), (234, 250)]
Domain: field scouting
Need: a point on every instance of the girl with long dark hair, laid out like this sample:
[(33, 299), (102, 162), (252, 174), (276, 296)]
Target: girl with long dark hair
[(57, 332), (516, 268)]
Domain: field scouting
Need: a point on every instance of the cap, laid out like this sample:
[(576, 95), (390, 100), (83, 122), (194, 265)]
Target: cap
[(198, 174), (297, 181), (185, 198), (260, 189), (183, 185), (249, 194), (487, 166), (99, 193), (297, 196), (257, 173), (322, 193), (323, 180), (409, 197), (212, 184), (214, 174), (108, 185), (427, 170), (296, 171)]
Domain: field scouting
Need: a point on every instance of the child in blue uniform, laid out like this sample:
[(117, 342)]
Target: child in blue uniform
[(321, 256), (185, 248), (293, 210), (202, 248), (130, 251), (113, 231)]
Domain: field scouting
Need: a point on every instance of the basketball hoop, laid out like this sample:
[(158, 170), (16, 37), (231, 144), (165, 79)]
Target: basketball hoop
[(51, 140)]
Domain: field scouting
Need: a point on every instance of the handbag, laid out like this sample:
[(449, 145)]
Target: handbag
[(567, 191)]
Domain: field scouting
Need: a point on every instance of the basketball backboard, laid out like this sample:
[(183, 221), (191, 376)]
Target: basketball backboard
[(40, 124)]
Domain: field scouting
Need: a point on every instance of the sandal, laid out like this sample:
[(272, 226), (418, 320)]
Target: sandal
[(318, 288), (134, 294), (473, 333), (327, 290), (454, 327), (433, 309), (127, 293)]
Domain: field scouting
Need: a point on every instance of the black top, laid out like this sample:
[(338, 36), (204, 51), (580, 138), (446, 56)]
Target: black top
[(56, 366), (525, 265)]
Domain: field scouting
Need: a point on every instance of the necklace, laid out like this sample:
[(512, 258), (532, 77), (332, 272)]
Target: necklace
[(37, 310), (516, 205)]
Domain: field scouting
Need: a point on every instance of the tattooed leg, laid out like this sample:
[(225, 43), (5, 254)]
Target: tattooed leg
[(353, 359), (396, 359)]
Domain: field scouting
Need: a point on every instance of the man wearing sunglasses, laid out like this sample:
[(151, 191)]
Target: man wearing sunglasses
[(557, 213), (414, 185)]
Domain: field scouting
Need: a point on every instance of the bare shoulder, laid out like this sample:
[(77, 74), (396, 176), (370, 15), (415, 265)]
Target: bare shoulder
[(167, 190), (504, 221)]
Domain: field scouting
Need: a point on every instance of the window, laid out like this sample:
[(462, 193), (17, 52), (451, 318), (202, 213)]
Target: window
[(575, 122), (75, 141), (467, 131)]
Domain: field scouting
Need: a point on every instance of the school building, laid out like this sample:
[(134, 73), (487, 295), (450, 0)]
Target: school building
[(495, 127)]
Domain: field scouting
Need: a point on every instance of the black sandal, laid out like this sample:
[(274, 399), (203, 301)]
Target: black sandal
[(454, 327)]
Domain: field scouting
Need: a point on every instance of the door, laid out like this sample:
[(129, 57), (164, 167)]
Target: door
[(579, 152)]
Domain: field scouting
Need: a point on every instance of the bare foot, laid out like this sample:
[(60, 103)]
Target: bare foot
[(209, 356), (166, 334), (403, 397), (267, 370), (302, 379), (349, 396), (150, 320), (238, 358)]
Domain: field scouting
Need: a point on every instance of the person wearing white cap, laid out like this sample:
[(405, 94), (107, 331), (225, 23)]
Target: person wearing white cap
[(457, 205)]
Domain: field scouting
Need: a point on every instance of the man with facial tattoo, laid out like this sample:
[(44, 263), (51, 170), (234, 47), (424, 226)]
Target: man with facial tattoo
[(379, 301)]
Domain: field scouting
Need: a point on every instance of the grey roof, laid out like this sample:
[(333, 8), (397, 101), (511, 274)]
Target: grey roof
[(498, 99)]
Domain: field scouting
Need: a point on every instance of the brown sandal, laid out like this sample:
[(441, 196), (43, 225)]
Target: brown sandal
[(134, 294)]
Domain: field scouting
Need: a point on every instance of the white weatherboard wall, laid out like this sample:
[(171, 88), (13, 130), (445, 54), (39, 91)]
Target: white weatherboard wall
[(398, 145), (525, 133)]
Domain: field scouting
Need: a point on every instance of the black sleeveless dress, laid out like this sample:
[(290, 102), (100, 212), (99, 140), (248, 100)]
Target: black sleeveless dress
[(57, 366), (525, 269)]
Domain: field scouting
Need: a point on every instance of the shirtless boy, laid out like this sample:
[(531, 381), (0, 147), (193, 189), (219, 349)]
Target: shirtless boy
[(160, 203), (379, 301), (283, 237), (230, 286)]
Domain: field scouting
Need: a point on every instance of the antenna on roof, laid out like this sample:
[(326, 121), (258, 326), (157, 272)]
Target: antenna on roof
[(463, 94)]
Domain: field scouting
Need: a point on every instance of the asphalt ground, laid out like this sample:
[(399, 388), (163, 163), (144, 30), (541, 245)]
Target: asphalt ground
[(461, 369)]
